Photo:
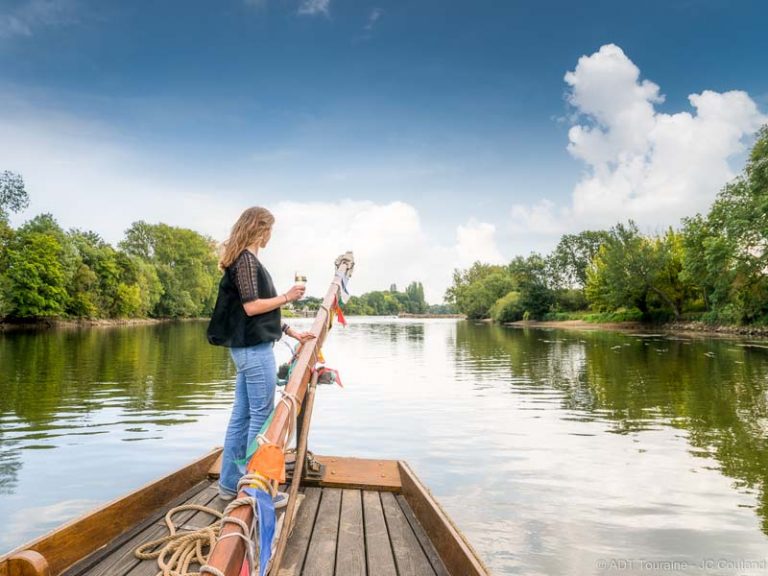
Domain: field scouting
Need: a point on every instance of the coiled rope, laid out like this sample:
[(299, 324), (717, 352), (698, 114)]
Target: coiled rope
[(177, 551)]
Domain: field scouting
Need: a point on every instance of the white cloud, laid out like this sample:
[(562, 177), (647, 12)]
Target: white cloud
[(640, 163), (373, 17), (477, 241), (34, 14), (83, 174), (314, 7)]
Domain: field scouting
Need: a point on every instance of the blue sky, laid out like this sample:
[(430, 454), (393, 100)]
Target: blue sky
[(452, 117)]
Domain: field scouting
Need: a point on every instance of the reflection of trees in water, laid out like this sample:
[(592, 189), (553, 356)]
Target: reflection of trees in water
[(162, 367), (715, 390), (10, 464), (394, 332), (57, 376)]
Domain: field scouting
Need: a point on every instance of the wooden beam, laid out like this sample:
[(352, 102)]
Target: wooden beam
[(455, 551), (358, 473), (301, 452), (83, 536), (227, 555)]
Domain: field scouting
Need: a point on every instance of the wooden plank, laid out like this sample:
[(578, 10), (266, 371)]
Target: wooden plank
[(298, 540), (77, 539), (321, 555), (422, 537), (195, 521), (301, 453), (227, 555), (122, 559), (410, 558), (113, 547), (350, 551), (358, 473), (215, 470), (455, 551), (378, 550)]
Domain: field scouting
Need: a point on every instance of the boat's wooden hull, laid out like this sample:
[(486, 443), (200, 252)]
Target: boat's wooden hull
[(421, 533)]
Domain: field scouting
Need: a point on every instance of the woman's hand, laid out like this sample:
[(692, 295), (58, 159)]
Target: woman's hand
[(295, 293), (301, 336)]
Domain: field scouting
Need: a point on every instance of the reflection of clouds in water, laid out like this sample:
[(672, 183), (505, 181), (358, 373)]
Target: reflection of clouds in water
[(39, 519), (559, 492), (509, 428)]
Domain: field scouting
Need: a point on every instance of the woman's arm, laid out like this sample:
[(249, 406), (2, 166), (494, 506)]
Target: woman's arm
[(262, 305)]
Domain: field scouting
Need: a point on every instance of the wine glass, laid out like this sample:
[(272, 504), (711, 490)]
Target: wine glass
[(300, 279)]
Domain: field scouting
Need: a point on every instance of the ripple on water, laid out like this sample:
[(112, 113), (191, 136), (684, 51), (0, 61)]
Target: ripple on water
[(549, 449)]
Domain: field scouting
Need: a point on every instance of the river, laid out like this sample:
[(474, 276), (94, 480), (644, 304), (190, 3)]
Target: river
[(555, 452)]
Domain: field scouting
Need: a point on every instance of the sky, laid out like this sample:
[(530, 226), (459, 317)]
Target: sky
[(422, 135)]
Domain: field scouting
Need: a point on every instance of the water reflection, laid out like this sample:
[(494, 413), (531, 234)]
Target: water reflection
[(715, 392), (550, 449), (80, 391)]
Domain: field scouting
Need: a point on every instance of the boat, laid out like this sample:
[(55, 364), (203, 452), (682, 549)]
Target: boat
[(344, 515)]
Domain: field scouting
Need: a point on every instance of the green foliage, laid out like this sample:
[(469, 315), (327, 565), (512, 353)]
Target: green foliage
[(618, 315), (532, 280), (35, 280), (474, 291), (307, 304), (508, 308), (573, 256), (727, 250), (442, 309), (13, 194), (45, 271), (186, 267), (714, 269), (388, 302), (638, 271)]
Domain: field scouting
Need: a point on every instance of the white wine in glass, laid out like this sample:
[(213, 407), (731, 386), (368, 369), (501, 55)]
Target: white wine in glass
[(300, 279)]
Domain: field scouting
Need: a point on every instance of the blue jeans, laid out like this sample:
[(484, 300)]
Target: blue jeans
[(254, 401)]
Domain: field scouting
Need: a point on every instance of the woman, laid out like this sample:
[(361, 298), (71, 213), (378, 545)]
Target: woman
[(246, 319)]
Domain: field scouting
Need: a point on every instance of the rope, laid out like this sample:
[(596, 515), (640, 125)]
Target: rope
[(292, 403), (177, 551)]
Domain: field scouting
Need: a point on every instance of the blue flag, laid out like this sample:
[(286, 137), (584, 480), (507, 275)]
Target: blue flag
[(265, 507)]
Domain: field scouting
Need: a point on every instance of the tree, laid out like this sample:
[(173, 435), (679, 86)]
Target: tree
[(477, 288), (508, 308), (573, 255), (13, 194), (531, 275), (726, 252), (415, 302), (186, 266), (35, 280), (631, 270)]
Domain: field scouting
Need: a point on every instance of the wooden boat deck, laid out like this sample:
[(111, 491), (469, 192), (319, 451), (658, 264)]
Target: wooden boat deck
[(362, 517), (338, 531)]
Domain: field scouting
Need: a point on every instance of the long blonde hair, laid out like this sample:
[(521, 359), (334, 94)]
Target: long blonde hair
[(252, 227)]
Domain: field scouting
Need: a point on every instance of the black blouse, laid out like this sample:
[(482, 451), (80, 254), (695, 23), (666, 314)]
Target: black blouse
[(245, 280)]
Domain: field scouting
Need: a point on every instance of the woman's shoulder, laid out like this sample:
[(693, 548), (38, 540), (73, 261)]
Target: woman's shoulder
[(246, 257)]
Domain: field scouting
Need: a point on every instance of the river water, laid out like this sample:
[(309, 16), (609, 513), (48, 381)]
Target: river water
[(555, 452)]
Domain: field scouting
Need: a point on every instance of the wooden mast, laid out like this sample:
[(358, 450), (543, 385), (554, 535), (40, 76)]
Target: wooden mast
[(228, 553)]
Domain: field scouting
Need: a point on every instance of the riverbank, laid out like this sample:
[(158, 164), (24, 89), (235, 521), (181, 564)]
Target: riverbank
[(78, 323), (670, 327), (408, 315)]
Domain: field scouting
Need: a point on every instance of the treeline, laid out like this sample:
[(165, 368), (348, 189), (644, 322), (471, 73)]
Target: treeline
[(383, 303), (156, 271), (389, 302), (714, 268)]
